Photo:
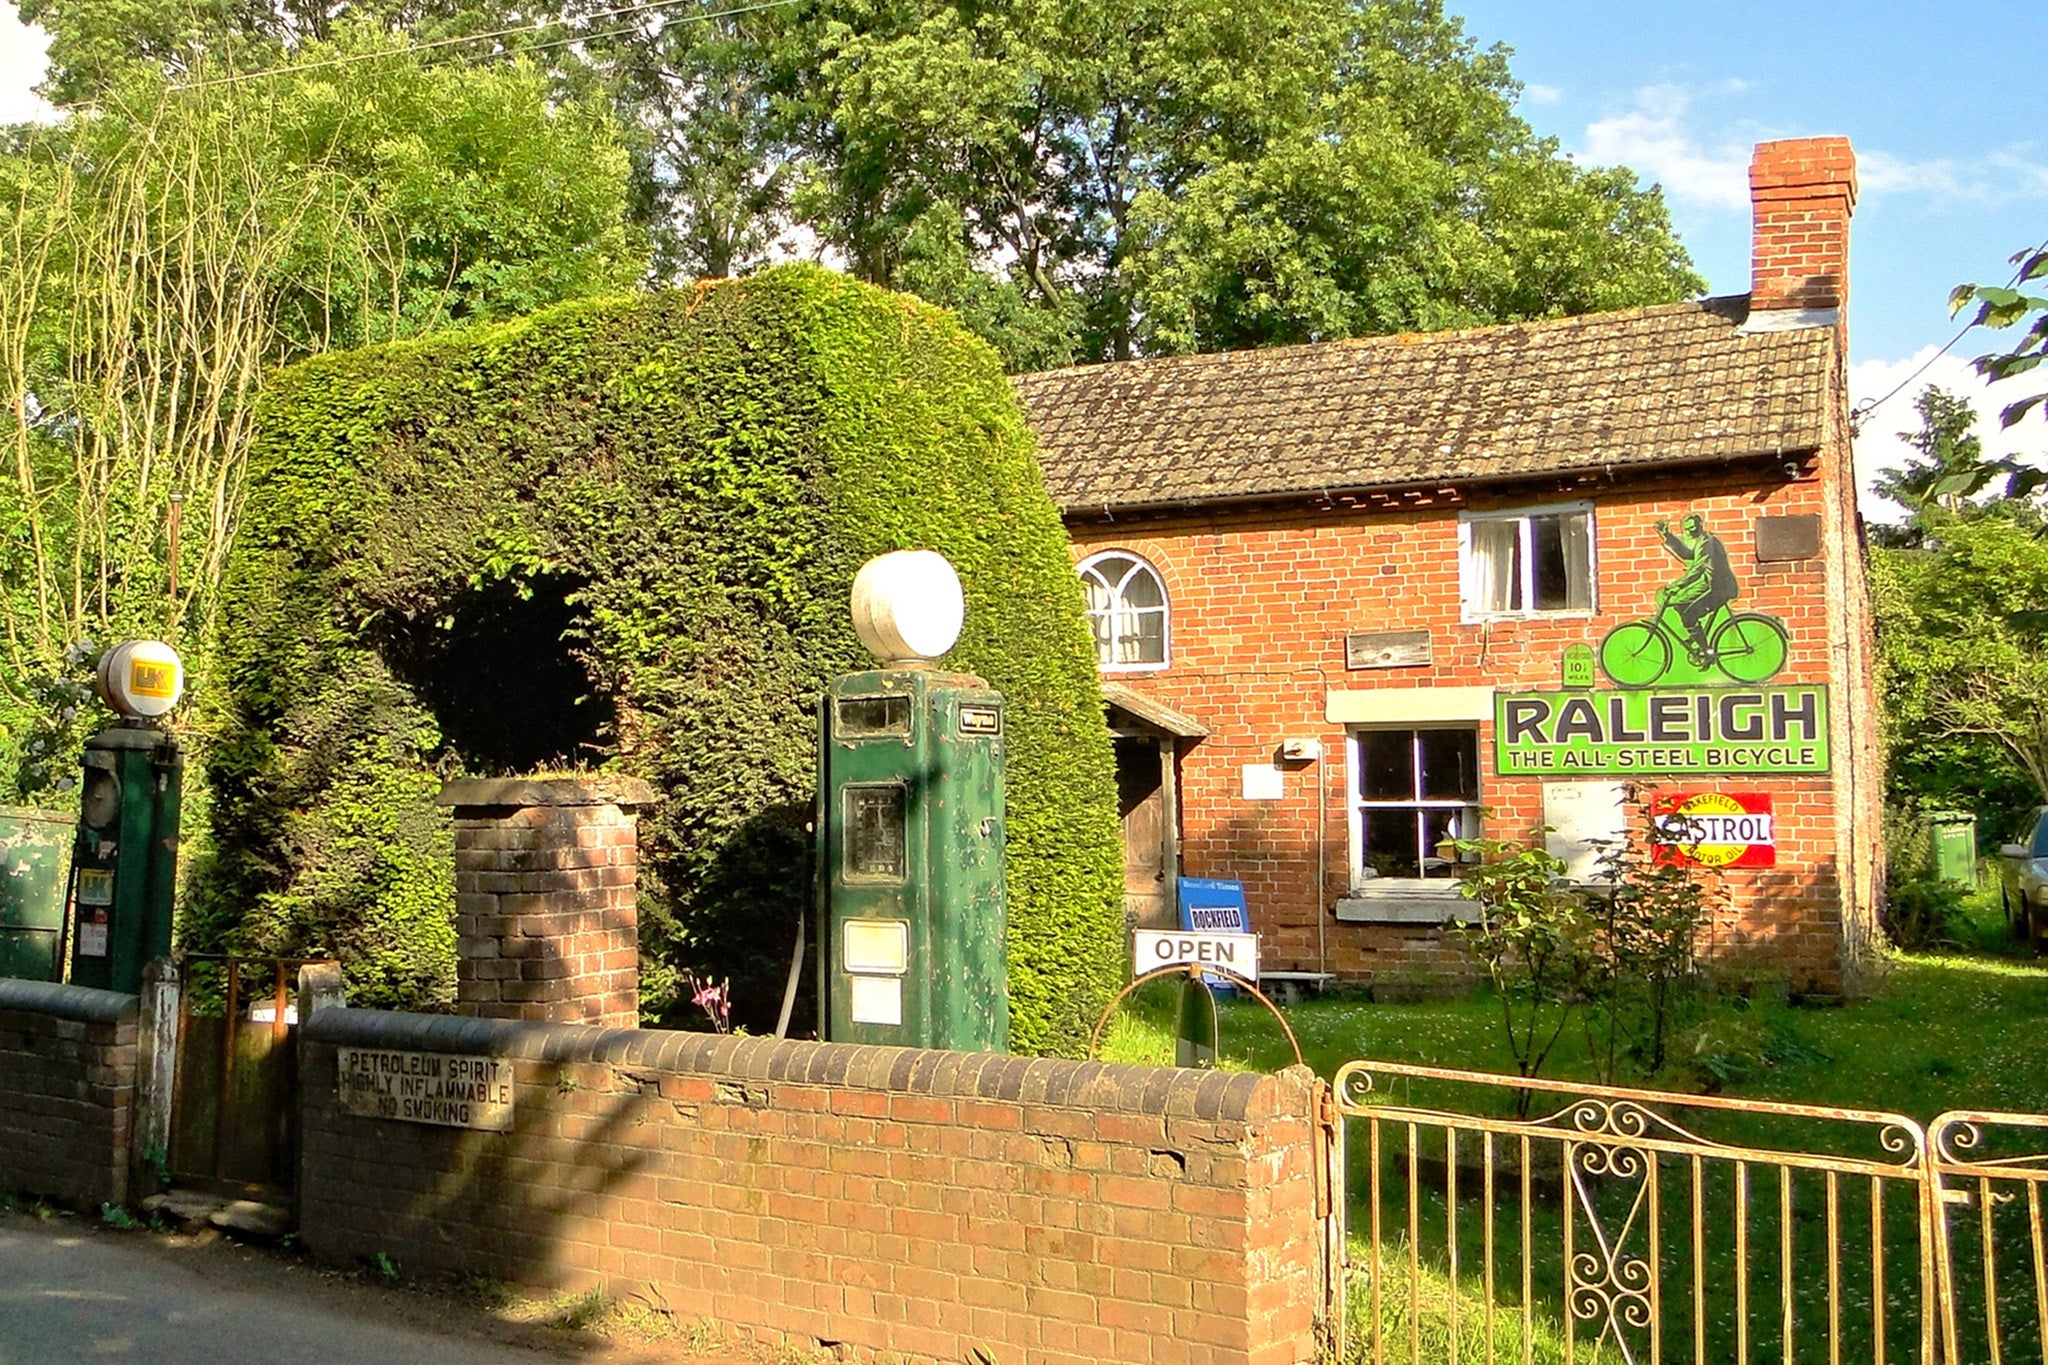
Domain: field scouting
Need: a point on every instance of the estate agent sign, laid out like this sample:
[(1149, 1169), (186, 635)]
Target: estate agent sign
[(1707, 730)]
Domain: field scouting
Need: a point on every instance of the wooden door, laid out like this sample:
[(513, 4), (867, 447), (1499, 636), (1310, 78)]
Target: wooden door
[(1144, 785)]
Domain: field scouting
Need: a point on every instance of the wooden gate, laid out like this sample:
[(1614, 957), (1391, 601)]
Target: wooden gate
[(234, 1112)]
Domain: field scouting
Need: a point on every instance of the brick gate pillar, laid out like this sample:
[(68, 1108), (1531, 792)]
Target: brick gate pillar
[(545, 916)]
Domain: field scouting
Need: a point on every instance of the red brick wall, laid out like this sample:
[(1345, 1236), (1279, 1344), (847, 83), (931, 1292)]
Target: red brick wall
[(67, 1091), (922, 1203), (1802, 193), (1262, 598), (546, 915)]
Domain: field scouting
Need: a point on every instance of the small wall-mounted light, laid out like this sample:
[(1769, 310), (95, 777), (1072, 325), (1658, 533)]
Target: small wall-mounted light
[(1300, 750)]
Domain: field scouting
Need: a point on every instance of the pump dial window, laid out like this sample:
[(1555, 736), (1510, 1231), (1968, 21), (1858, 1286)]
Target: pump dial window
[(876, 818), (860, 717)]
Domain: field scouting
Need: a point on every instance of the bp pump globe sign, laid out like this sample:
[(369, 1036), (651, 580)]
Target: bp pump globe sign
[(1690, 688)]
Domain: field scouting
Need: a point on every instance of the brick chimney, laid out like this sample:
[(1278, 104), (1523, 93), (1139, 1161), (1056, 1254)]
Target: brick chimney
[(1802, 191)]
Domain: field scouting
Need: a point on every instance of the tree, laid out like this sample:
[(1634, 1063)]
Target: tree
[(1082, 179), (2001, 307), (164, 248), (1190, 174), (1964, 642)]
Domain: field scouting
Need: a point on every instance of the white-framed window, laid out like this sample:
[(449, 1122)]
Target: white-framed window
[(1127, 610), (1412, 790), (1527, 561)]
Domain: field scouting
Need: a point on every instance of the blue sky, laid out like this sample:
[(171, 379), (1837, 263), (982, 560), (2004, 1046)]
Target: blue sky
[(1953, 160), (1951, 150)]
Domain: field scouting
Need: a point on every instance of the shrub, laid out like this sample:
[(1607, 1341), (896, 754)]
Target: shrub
[(623, 532)]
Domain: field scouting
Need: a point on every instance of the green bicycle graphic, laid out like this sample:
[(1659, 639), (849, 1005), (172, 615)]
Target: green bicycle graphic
[(1748, 646)]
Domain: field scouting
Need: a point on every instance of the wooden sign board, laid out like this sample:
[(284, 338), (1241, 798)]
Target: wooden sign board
[(1387, 649), (427, 1087)]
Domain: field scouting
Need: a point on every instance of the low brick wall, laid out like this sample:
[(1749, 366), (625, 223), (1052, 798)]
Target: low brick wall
[(929, 1204), (67, 1091)]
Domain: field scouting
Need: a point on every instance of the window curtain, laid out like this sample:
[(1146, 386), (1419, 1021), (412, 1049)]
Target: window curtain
[(1576, 531), (1496, 570)]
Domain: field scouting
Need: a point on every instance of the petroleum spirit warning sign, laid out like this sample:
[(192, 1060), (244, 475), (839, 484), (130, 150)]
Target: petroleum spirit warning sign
[(1715, 829)]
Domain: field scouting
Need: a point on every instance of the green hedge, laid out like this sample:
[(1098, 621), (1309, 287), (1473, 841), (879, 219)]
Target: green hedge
[(687, 482)]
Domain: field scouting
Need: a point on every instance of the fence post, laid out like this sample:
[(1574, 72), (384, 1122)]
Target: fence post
[(156, 1074), (321, 987)]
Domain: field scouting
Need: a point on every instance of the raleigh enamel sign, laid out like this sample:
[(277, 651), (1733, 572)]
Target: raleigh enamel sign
[(1686, 730)]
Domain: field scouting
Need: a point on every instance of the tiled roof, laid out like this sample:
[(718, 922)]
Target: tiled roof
[(1674, 384)]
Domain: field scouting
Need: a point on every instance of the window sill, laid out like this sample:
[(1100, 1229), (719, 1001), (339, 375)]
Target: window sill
[(1404, 901), (1497, 617), (1133, 668)]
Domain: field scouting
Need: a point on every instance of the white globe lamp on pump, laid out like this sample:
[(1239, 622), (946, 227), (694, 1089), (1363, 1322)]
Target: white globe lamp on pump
[(908, 607)]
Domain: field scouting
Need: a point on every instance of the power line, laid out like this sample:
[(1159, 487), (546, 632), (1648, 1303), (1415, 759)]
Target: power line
[(1864, 410)]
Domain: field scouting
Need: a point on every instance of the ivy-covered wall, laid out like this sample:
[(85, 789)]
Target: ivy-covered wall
[(623, 532)]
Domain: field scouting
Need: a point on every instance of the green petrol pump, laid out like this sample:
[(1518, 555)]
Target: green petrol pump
[(911, 828), (124, 859)]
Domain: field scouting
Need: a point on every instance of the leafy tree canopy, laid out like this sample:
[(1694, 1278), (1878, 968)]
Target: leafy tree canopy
[(1080, 180), (165, 247), (1963, 636)]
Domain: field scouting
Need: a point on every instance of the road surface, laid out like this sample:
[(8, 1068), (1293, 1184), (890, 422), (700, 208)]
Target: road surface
[(71, 1290)]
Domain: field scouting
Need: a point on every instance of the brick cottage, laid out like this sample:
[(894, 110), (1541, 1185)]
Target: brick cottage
[(1353, 599)]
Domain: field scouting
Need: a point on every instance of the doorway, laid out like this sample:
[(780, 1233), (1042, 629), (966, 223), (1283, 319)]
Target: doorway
[(1150, 816)]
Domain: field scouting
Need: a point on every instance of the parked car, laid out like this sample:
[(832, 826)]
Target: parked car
[(2023, 879)]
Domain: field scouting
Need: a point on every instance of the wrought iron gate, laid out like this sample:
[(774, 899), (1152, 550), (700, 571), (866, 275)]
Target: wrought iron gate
[(1502, 1219)]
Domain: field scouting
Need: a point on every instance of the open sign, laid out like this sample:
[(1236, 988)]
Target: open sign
[(1156, 948)]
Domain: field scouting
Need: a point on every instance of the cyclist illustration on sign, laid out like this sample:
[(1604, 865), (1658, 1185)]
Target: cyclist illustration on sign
[(1693, 617)]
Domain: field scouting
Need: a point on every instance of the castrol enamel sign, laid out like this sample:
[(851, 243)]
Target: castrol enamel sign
[(1715, 829)]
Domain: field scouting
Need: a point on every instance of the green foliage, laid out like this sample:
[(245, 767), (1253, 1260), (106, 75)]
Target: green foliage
[(162, 250), (1183, 175), (1650, 915), (1951, 468), (1921, 911), (1620, 955), (695, 477), (1086, 179), (2000, 307), (1535, 941), (1963, 641)]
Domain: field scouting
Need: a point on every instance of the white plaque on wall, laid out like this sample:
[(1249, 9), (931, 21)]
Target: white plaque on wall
[(1262, 782), (1578, 812)]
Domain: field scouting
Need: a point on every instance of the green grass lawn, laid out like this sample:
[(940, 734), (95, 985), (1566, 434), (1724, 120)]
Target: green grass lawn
[(1935, 1032), (1962, 1030)]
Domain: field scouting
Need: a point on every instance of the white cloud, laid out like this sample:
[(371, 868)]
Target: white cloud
[(1991, 181), (1880, 445), (1653, 139), (22, 65), (1542, 94)]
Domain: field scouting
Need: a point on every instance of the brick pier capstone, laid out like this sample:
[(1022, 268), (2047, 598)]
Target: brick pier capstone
[(545, 912)]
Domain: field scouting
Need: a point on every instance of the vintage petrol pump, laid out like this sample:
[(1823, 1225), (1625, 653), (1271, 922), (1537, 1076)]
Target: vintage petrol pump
[(910, 826), (125, 858)]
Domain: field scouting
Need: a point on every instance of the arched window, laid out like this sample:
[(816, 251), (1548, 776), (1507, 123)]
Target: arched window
[(1126, 610)]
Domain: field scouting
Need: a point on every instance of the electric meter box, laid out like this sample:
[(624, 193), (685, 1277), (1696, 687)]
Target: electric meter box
[(125, 857), (911, 862)]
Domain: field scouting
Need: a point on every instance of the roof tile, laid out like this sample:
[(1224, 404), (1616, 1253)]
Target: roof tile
[(1677, 383)]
